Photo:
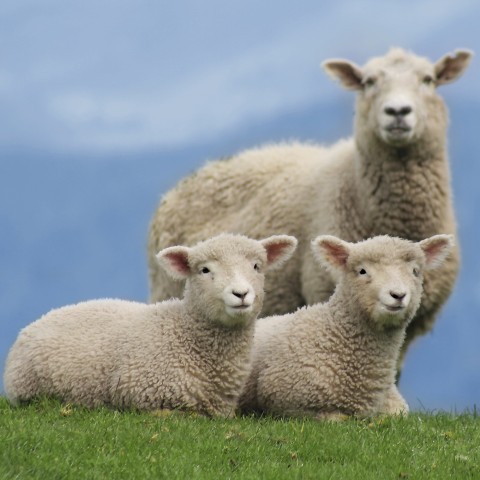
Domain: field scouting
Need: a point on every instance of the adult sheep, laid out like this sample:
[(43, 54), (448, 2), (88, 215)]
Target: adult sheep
[(391, 178), (340, 357), (192, 353)]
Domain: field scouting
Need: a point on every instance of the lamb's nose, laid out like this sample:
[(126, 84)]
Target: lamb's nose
[(240, 295), (397, 295), (398, 111)]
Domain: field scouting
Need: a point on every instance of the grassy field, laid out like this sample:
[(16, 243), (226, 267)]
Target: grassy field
[(49, 440)]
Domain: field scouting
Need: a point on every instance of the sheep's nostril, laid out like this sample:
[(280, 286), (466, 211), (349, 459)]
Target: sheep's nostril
[(398, 112), (240, 295), (398, 295)]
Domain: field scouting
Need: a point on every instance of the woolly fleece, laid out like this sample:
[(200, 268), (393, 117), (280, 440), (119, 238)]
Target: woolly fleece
[(192, 354), (389, 179), (339, 358)]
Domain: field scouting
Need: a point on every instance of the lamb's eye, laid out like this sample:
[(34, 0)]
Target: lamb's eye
[(427, 80), (362, 271), (205, 270), (256, 267), (369, 82), (416, 271)]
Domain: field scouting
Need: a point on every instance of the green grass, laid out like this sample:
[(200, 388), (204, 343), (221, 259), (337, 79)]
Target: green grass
[(48, 440)]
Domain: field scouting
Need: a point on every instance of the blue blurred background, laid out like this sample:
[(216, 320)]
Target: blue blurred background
[(106, 105)]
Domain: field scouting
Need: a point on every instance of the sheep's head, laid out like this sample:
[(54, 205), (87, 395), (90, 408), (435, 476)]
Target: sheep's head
[(397, 99), (225, 274), (383, 276)]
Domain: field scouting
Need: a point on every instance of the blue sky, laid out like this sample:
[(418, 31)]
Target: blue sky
[(105, 104), (106, 76)]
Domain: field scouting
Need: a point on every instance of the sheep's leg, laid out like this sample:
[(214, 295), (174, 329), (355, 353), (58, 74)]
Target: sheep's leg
[(331, 416), (436, 287), (394, 403), (421, 324)]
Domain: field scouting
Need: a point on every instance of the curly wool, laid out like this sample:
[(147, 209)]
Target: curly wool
[(185, 354), (339, 358)]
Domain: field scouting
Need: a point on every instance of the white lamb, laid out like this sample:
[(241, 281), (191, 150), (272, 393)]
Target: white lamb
[(392, 178), (339, 358), (192, 353)]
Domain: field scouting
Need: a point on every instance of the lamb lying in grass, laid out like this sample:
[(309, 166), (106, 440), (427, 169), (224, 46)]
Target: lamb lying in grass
[(192, 353), (339, 358)]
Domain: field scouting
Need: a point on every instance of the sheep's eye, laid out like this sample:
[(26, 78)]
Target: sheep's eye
[(256, 267), (362, 271), (369, 82), (205, 270), (416, 271), (427, 80)]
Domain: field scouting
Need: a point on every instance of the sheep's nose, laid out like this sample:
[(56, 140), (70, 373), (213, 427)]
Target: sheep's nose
[(397, 295), (398, 111), (240, 295)]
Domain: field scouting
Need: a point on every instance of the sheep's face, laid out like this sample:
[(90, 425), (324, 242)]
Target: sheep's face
[(382, 277), (387, 291), (397, 99), (229, 292), (225, 275)]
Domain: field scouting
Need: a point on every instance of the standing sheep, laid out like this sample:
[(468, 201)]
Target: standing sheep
[(192, 353), (339, 358), (392, 178)]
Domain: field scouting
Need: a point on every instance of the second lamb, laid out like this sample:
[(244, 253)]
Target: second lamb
[(339, 358)]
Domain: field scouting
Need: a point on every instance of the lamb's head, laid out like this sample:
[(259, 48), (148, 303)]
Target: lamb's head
[(225, 274), (397, 101), (382, 277)]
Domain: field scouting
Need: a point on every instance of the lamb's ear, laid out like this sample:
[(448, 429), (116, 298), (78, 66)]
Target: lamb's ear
[(451, 67), (331, 251), (436, 249), (174, 260), (347, 73), (279, 249)]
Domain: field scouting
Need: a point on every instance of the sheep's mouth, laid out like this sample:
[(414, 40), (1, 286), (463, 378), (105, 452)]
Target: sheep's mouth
[(243, 307), (398, 130), (394, 308), (397, 135)]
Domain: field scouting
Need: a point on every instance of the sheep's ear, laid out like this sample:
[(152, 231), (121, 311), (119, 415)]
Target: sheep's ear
[(279, 249), (347, 73), (331, 251), (174, 261), (451, 67), (436, 249)]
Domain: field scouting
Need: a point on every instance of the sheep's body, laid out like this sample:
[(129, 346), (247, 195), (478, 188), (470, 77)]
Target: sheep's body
[(343, 368), (192, 353), (106, 360), (340, 357), (222, 191), (392, 178)]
